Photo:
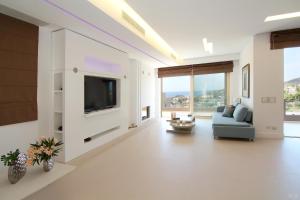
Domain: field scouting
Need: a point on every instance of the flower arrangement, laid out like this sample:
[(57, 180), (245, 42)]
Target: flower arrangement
[(43, 150), (10, 158), (16, 162)]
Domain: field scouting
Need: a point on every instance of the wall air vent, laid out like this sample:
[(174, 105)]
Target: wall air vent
[(133, 23)]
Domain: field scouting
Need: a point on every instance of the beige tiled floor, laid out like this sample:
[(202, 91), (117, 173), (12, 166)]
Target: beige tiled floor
[(155, 165)]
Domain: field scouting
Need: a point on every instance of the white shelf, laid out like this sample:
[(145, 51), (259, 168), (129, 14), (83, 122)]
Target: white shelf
[(59, 132), (58, 91), (58, 112), (34, 180), (102, 112)]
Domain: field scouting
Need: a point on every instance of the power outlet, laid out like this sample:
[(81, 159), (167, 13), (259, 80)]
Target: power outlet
[(274, 128)]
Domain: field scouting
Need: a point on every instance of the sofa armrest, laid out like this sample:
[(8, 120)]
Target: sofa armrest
[(220, 109)]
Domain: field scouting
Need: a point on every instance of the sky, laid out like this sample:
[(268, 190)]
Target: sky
[(291, 63)]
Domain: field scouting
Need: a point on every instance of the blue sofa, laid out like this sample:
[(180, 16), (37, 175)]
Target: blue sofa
[(228, 127)]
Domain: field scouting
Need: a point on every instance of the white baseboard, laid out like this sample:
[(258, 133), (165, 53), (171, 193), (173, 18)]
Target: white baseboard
[(266, 135)]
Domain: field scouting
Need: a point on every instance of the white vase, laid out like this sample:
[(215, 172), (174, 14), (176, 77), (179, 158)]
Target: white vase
[(48, 165)]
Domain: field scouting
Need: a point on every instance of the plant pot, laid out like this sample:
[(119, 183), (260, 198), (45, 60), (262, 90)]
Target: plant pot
[(18, 170), (48, 164)]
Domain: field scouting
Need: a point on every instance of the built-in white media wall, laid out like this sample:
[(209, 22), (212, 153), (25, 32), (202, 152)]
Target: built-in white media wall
[(74, 58)]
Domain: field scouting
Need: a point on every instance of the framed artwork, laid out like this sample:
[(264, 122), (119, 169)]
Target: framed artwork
[(246, 81)]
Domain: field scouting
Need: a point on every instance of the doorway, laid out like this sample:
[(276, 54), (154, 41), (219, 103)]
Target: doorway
[(292, 92)]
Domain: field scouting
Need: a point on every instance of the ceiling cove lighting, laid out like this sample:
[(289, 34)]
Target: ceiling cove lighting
[(208, 46), (121, 12), (73, 15), (282, 16)]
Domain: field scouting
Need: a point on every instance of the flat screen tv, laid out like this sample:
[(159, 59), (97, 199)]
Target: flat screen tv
[(99, 93)]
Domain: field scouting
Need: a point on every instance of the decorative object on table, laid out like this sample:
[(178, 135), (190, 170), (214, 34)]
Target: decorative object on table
[(246, 81), (173, 115), (133, 125), (48, 164), (184, 124), (43, 151), (16, 162)]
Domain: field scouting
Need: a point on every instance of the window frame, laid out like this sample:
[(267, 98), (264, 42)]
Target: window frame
[(191, 96)]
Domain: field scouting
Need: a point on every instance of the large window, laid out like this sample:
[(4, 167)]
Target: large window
[(175, 96), (292, 83), (176, 93), (200, 94), (209, 92)]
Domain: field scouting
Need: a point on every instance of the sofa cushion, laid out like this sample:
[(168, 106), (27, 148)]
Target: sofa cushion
[(249, 116), (235, 104), (228, 111), (240, 113), (220, 108), (219, 120)]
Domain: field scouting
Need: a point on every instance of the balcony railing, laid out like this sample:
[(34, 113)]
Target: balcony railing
[(292, 110)]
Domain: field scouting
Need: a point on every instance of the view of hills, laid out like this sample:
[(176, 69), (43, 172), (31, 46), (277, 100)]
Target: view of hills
[(295, 81)]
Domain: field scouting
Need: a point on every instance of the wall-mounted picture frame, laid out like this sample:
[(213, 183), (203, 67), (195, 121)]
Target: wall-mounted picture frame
[(246, 81)]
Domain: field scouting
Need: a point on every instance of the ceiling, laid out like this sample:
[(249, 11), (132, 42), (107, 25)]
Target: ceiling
[(226, 23), (182, 24), (84, 18)]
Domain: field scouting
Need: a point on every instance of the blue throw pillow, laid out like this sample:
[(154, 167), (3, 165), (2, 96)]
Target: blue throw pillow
[(228, 111), (249, 116), (240, 113)]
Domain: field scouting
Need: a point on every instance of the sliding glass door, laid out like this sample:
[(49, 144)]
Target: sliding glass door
[(209, 93), (175, 95), (292, 84), (198, 94)]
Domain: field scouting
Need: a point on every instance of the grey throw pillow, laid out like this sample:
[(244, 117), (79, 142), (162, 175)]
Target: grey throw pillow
[(228, 111), (240, 113), (248, 116)]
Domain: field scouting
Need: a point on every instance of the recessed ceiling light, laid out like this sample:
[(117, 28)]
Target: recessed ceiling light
[(208, 46), (282, 16)]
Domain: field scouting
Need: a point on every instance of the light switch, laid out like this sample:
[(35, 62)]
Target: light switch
[(264, 99), (272, 99)]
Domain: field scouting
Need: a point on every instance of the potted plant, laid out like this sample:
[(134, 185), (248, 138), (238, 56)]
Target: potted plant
[(16, 163), (43, 151)]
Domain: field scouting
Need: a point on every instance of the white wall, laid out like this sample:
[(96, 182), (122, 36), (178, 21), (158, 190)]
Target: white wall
[(157, 94), (147, 75), (247, 57), (44, 80), (142, 90), (268, 82), (134, 88), (234, 82), (22, 134), (210, 59)]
